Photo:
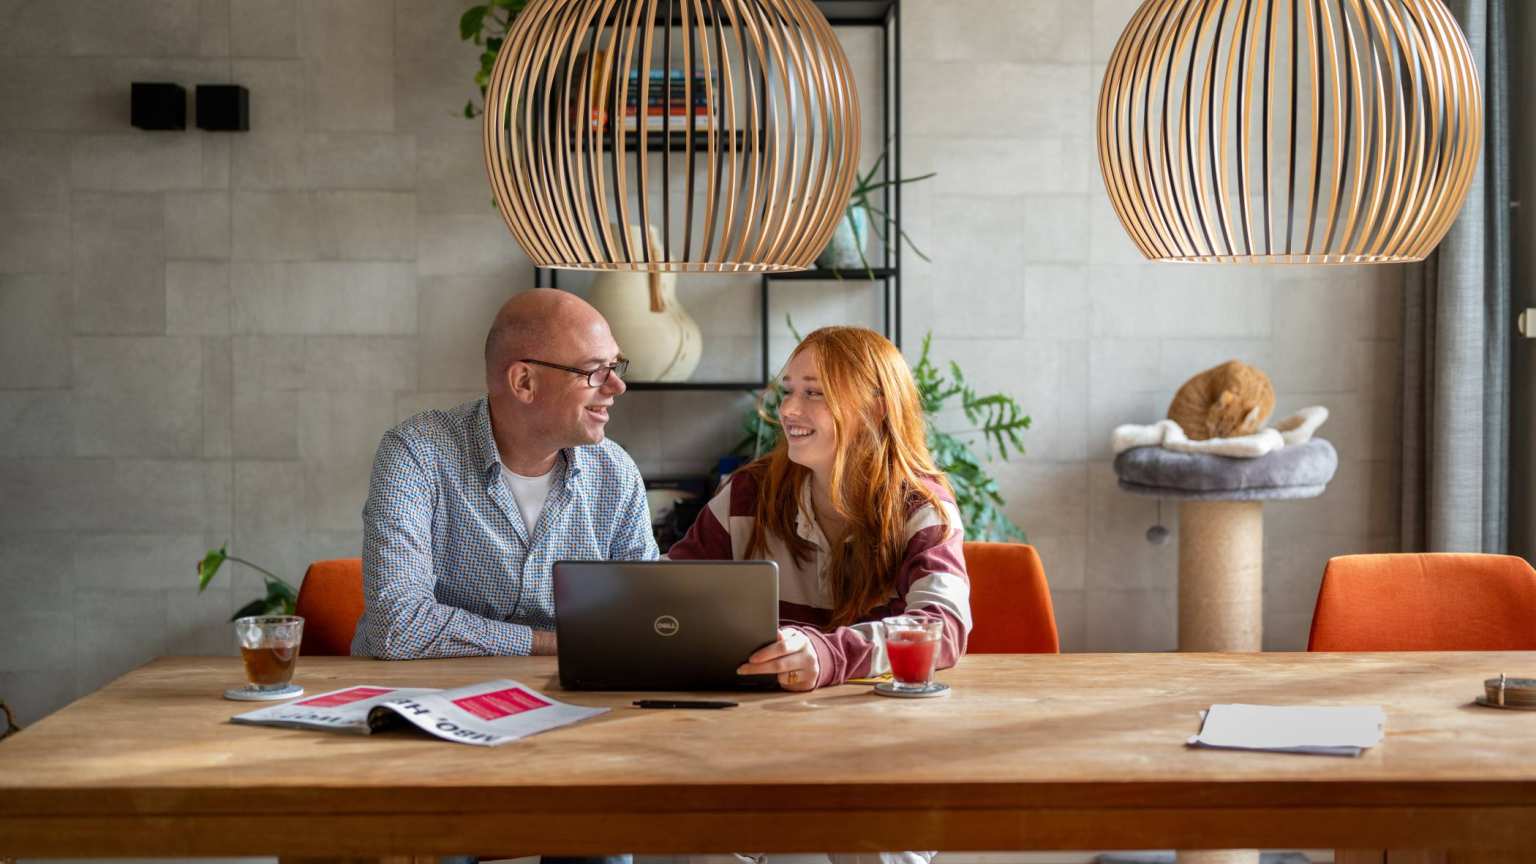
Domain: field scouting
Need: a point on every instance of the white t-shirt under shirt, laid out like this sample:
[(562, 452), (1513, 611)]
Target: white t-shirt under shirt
[(530, 494)]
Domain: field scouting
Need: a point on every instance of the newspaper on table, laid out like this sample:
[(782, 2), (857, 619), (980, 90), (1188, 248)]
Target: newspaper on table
[(488, 714), (1343, 730)]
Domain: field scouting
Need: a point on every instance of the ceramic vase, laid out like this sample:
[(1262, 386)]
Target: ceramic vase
[(848, 241), (653, 330)]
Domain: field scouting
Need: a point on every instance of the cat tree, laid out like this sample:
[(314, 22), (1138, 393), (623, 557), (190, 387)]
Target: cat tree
[(1221, 529)]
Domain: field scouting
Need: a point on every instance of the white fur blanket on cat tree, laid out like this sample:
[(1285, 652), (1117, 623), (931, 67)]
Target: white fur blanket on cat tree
[(1293, 430)]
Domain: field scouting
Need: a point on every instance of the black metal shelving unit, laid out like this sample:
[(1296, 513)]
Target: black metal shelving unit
[(886, 15)]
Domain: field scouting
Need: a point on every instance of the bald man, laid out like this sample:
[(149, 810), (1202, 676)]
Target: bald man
[(469, 508)]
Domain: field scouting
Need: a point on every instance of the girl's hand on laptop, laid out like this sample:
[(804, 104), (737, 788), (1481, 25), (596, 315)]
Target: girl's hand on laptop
[(792, 658)]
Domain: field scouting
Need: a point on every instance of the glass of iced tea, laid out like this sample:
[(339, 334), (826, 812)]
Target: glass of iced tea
[(912, 647), (269, 645)]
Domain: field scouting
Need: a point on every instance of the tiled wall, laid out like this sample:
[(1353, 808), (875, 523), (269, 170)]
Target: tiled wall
[(202, 335)]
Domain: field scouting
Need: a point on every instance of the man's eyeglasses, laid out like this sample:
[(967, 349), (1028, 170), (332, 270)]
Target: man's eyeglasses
[(595, 377)]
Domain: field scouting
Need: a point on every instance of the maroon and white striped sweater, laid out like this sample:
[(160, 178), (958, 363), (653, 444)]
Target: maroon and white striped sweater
[(931, 581)]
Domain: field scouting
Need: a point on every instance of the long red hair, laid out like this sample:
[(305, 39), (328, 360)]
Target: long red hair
[(881, 469)]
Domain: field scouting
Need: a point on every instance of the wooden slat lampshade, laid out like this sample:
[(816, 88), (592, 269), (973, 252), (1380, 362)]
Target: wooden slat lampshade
[(1289, 131), (752, 143)]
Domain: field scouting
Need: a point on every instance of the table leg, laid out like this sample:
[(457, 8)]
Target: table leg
[(1218, 856)]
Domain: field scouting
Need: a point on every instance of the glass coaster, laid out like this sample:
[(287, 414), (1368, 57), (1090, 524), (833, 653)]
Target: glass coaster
[(249, 694), (928, 691)]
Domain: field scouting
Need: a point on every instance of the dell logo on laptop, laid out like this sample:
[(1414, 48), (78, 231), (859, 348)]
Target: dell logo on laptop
[(666, 625)]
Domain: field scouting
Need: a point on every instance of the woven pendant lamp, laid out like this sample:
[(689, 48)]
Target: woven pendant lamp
[(746, 147), (1289, 131)]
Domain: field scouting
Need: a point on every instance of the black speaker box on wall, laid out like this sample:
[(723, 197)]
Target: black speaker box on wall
[(223, 108), (157, 106)]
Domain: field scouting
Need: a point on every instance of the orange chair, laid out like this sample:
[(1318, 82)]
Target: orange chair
[(1425, 602), (1010, 601), (331, 602)]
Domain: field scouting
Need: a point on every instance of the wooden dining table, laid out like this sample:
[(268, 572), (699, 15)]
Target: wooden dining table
[(1027, 752)]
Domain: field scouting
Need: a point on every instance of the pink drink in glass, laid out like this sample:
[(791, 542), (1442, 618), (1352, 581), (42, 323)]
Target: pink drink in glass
[(912, 647)]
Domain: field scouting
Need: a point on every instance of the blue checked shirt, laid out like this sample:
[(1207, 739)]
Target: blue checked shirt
[(449, 569)]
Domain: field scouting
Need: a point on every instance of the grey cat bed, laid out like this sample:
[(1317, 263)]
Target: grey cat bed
[(1299, 471)]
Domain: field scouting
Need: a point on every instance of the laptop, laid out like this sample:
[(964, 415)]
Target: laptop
[(663, 625)]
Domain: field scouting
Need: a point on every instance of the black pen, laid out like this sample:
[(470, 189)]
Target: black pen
[(681, 703)]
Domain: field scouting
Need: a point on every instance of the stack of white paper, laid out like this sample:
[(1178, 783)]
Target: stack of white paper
[(1333, 731)]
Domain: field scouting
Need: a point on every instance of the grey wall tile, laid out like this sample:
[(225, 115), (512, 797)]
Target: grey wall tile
[(461, 244), (35, 695), (139, 397), (33, 641), (325, 297), (47, 93), (349, 65), (135, 28), (263, 28), (218, 397), (1109, 19), (101, 495), (119, 264), (36, 424), (268, 160), (343, 428), (1131, 620), (334, 496), (34, 171), (983, 266), (1014, 30), (432, 82), (277, 93), (455, 313), (35, 575), (198, 624), (1057, 304), (269, 362), (450, 171), (360, 160), (365, 225), (136, 162), (34, 242), (996, 166), (1064, 559), (216, 158), (32, 30), (1071, 611), (360, 362), (138, 562), (36, 320), (269, 498), (127, 630), (275, 226), (1007, 99), (264, 424), (197, 224), (213, 28), (197, 297)]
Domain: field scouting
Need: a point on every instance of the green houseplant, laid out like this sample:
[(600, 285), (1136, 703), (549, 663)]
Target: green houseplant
[(845, 251), (997, 416), (279, 600), (486, 25)]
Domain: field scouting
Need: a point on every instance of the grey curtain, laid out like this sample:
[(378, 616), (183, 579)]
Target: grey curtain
[(1456, 339)]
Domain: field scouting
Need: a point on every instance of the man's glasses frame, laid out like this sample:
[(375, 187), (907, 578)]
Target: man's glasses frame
[(595, 377)]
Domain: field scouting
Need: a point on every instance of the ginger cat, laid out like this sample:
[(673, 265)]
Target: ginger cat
[(1227, 401)]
